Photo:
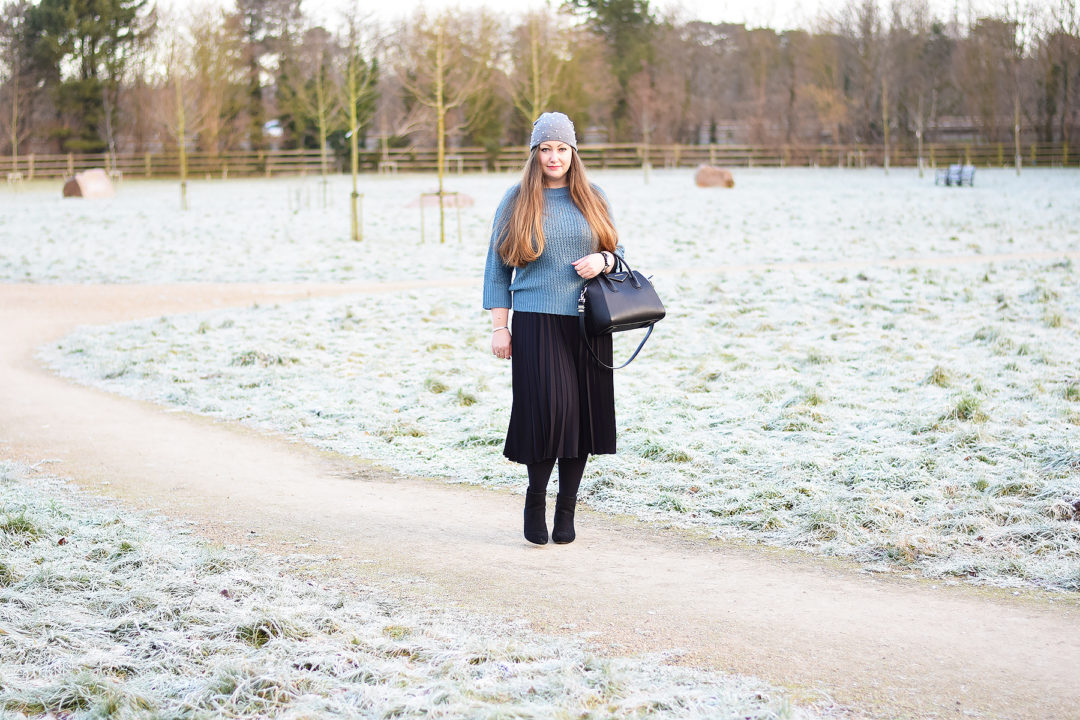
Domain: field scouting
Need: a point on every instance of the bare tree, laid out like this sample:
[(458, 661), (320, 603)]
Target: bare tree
[(710, 67), (825, 83), (1063, 36), (357, 95), (487, 108), (434, 74), (587, 90), (920, 51), (305, 93), (761, 59), (178, 111), (217, 65), (17, 90), (539, 63), (180, 128), (984, 72), (1020, 15)]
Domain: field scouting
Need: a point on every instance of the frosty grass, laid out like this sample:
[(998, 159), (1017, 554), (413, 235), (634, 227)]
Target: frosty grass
[(918, 416), (105, 613)]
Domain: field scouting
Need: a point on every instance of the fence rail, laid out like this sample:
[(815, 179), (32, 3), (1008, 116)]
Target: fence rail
[(474, 159)]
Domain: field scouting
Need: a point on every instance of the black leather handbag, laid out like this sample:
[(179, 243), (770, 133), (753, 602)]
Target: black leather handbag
[(622, 299)]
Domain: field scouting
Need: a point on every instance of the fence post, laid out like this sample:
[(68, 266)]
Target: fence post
[(147, 164), (1033, 157), (1064, 156), (71, 164), (30, 164)]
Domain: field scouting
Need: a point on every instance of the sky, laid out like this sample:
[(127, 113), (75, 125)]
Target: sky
[(779, 14)]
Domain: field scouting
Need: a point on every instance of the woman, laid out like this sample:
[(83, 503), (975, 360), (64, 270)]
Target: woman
[(552, 232)]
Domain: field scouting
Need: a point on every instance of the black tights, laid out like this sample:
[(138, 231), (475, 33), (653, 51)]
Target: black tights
[(570, 472)]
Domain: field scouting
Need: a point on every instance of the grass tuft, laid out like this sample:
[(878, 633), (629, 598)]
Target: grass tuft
[(19, 525), (967, 408), (7, 575), (396, 632), (257, 357), (938, 376), (260, 631), (434, 385)]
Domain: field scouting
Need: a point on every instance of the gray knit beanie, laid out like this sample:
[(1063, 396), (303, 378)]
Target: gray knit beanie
[(553, 126)]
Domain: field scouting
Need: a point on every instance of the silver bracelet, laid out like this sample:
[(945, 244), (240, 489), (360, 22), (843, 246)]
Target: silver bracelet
[(504, 327)]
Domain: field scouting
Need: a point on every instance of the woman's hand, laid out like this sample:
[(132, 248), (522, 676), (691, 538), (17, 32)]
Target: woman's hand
[(589, 266), (500, 343)]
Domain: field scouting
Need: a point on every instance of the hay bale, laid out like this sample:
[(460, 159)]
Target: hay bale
[(449, 200), (709, 176), (90, 184)]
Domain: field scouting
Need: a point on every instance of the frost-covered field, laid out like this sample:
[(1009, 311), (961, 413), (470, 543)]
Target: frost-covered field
[(276, 230), (908, 417), (924, 417), (108, 614)]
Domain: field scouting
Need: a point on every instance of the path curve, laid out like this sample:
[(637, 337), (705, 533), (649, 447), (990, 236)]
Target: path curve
[(880, 645)]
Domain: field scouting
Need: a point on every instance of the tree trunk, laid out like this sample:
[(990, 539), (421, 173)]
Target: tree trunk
[(1016, 130), (885, 117), (919, 136), (181, 121), (15, 121), (354, 154), (320, 100), (440, 114)]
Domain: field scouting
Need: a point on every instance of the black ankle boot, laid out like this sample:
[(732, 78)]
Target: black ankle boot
[(535, 524), (562, 532)]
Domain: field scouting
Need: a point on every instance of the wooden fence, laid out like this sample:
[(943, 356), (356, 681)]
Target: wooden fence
[(462, 160)]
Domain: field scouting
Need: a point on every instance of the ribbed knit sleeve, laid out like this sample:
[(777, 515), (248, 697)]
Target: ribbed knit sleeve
[(497, 274)]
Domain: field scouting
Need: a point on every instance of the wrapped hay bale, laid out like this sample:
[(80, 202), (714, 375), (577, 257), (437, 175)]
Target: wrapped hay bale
[(709, 176), (89, 184), (450, 200)]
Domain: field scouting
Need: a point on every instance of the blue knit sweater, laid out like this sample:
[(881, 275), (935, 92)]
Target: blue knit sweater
[(548, 284)]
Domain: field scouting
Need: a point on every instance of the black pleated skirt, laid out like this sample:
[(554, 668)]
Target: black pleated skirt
[(564, 402)]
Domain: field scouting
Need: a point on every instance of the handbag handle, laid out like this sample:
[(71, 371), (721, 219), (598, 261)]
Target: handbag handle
[(622, 266), (585, 339)]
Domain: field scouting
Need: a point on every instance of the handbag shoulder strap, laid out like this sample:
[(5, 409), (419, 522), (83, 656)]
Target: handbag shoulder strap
[(585, 339)]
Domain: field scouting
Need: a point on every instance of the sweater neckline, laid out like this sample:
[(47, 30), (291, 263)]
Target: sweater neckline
[(565, 190)]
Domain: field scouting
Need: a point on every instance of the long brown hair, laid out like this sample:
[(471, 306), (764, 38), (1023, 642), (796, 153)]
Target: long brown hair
[(522, 238)]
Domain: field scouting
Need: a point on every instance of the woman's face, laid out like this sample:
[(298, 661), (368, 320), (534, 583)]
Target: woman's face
[(555, 159)]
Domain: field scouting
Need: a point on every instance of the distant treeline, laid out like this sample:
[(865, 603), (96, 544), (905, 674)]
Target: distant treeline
[(119, 76)]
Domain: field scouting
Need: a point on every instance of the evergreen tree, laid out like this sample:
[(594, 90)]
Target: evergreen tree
[(627, 26), (267, 27), (81, 49)]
